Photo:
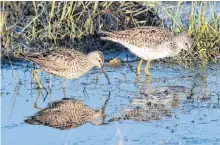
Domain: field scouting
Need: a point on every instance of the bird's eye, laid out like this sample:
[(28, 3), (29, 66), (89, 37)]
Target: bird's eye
[(99, 60)]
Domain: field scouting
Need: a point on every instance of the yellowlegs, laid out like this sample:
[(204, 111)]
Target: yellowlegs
[(67, 113), (66, 63), (150, 43)]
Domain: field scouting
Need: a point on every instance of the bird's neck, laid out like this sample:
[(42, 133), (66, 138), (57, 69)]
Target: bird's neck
[(97, 118), (90, 64)]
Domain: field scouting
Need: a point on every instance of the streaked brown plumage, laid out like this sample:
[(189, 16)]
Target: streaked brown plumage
[(141, 37), (66, 63), (150, 42), (67, 114)]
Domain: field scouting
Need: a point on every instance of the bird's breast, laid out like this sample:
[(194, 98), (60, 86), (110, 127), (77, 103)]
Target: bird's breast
[(147, 52)]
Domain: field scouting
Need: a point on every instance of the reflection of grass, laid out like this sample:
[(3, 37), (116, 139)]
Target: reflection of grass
[(204, 26)]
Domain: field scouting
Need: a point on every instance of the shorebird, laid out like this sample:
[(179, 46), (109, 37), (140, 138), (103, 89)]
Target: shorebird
[(150, 43), (65, 63), (68, 113)]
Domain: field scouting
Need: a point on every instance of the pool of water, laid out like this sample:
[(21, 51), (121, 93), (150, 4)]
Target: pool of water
[(193, 118)]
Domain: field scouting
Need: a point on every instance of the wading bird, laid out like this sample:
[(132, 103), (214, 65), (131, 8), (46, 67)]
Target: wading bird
[(150, 43), (65, 63)]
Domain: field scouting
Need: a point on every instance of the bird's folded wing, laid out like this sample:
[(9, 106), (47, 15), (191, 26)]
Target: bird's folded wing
[(141, 36), (60, 59)]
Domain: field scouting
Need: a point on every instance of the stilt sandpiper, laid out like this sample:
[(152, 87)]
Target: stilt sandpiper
[(150, 43), (67, 113), (66, 63)]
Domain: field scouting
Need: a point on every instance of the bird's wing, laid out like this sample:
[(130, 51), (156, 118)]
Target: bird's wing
[(146, 36), (52, 118), (56, 59), (64, 103)]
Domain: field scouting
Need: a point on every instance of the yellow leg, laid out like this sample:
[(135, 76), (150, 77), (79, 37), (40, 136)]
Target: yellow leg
[(139, 67), (138, 77), (147, 66), (36, 78)]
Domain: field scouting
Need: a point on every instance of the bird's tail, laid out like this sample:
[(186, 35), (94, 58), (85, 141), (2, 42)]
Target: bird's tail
[(30, 55), (105, 35)]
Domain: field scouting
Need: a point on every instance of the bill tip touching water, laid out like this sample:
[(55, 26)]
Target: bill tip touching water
[(66, 63), (97, 58), (176, 103)]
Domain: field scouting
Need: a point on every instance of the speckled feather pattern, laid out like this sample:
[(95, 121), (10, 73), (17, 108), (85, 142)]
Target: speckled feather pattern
[(66, 63), (63, 114), (142, 37), (149, 42)]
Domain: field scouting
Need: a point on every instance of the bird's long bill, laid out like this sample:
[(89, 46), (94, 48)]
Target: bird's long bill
[(103, 70)]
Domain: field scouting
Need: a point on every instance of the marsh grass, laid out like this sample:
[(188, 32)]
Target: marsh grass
[(74, 24), (201, 20), (35, 26), (2, 18)]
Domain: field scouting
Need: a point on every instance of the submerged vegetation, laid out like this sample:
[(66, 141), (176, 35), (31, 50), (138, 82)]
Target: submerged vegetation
[(36, 26)]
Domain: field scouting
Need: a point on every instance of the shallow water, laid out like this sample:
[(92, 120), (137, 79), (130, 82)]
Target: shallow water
[(193, 117)]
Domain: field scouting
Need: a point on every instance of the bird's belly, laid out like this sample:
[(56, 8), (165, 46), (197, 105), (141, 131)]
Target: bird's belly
[(146, 53), (64, 74)]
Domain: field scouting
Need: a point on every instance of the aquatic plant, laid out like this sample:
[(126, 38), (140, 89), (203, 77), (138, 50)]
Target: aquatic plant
[(36, 26), (43, 24), (199, 19)]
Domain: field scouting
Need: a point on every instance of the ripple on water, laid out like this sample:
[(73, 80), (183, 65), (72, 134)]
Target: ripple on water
[(182, 107)]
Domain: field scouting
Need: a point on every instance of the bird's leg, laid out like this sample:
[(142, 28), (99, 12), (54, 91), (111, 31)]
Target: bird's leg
[(64, 84), (37, 79), (139, 67), (50, 84), (35, 103), (138, 77), (50, 99), (148, 85), (147, 66), (102, 111), (64, 87)]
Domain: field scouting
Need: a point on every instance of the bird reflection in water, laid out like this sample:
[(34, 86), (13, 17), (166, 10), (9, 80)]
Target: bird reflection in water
[(68, 113), (156, 106)]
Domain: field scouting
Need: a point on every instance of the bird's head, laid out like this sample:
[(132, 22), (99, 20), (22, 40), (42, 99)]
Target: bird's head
[(97, 59), (98, 118), (185, 42)]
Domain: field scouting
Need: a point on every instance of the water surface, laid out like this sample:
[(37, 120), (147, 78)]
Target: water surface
[(194, 116)]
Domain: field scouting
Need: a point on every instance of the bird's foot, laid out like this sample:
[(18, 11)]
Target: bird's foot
[(147, 73)]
